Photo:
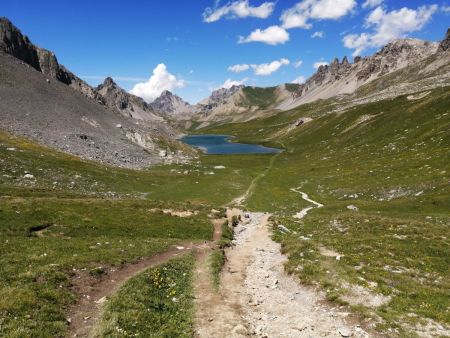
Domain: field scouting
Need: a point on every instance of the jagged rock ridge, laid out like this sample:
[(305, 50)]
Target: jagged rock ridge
[(13, 42), (445, 44), (114, 97), (344, 77), (171, 105)]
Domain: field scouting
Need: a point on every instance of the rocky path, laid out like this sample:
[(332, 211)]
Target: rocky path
[(257, 298)]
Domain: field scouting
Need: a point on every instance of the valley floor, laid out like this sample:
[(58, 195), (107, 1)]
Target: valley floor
[(347, 233)]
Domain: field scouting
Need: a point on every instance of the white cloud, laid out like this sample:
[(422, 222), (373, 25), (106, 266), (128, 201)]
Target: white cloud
[(319, 63), (298, 63), (388, 26), (160, 80), (230, 83), (299, 15), (238, 9), (357, 42), (445, 9), (299, 80), (269, 68), (239, 68), (372, 3), (272, 35), (319, 35), (261, 69)]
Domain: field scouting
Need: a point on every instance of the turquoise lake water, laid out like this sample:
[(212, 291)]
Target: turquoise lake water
[(220, 144)]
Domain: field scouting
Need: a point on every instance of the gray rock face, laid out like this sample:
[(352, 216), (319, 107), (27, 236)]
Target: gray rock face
[(445, 44), (114, 97), (171, 105), (13, 42), (218, 97)]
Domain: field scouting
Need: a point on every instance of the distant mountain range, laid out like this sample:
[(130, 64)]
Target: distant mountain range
[(43, 100), (240, 103)]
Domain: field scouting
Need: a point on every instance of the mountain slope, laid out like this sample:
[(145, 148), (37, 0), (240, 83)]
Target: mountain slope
[(105, 124), (344, 78), (13, 42)]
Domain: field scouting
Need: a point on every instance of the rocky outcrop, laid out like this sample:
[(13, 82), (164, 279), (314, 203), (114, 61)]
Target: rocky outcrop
[(171, 105), (114, 97), (13, 42), (445, 44), (345, 78)]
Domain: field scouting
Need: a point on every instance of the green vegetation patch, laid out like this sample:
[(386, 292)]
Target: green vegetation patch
[(45, 242), (260, 97), (156, 303), (217, 258)]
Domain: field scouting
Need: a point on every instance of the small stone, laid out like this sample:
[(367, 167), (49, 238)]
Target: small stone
[(344, 332)]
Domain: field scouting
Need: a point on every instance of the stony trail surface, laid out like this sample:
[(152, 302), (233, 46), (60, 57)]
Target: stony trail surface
[(257, 298)]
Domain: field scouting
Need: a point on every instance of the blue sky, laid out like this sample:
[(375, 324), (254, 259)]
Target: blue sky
[(129, 39)]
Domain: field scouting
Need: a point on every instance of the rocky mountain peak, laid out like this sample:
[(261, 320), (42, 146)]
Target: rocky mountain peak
[(109, 82), (221, 94), (170, 104), (445, 44), (116, 98)]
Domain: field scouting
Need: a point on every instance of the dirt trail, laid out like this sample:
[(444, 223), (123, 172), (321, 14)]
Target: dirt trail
[(257, 298), (302, 213), (241, 199), (219, 312), (87, 312)]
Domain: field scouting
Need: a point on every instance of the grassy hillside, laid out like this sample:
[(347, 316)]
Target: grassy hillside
[(390, 160), (60, 217)]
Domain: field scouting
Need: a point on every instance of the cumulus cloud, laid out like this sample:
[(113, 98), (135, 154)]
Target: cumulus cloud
[(319, 35), (317, 64), (239, 68), (387, 26), (261, 69), (299, 15), (230, 83), (445, 9), (272, 35), (238, 9), (299, 80), (269, 68), (372, 3), (160, 80), (298, 63)]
